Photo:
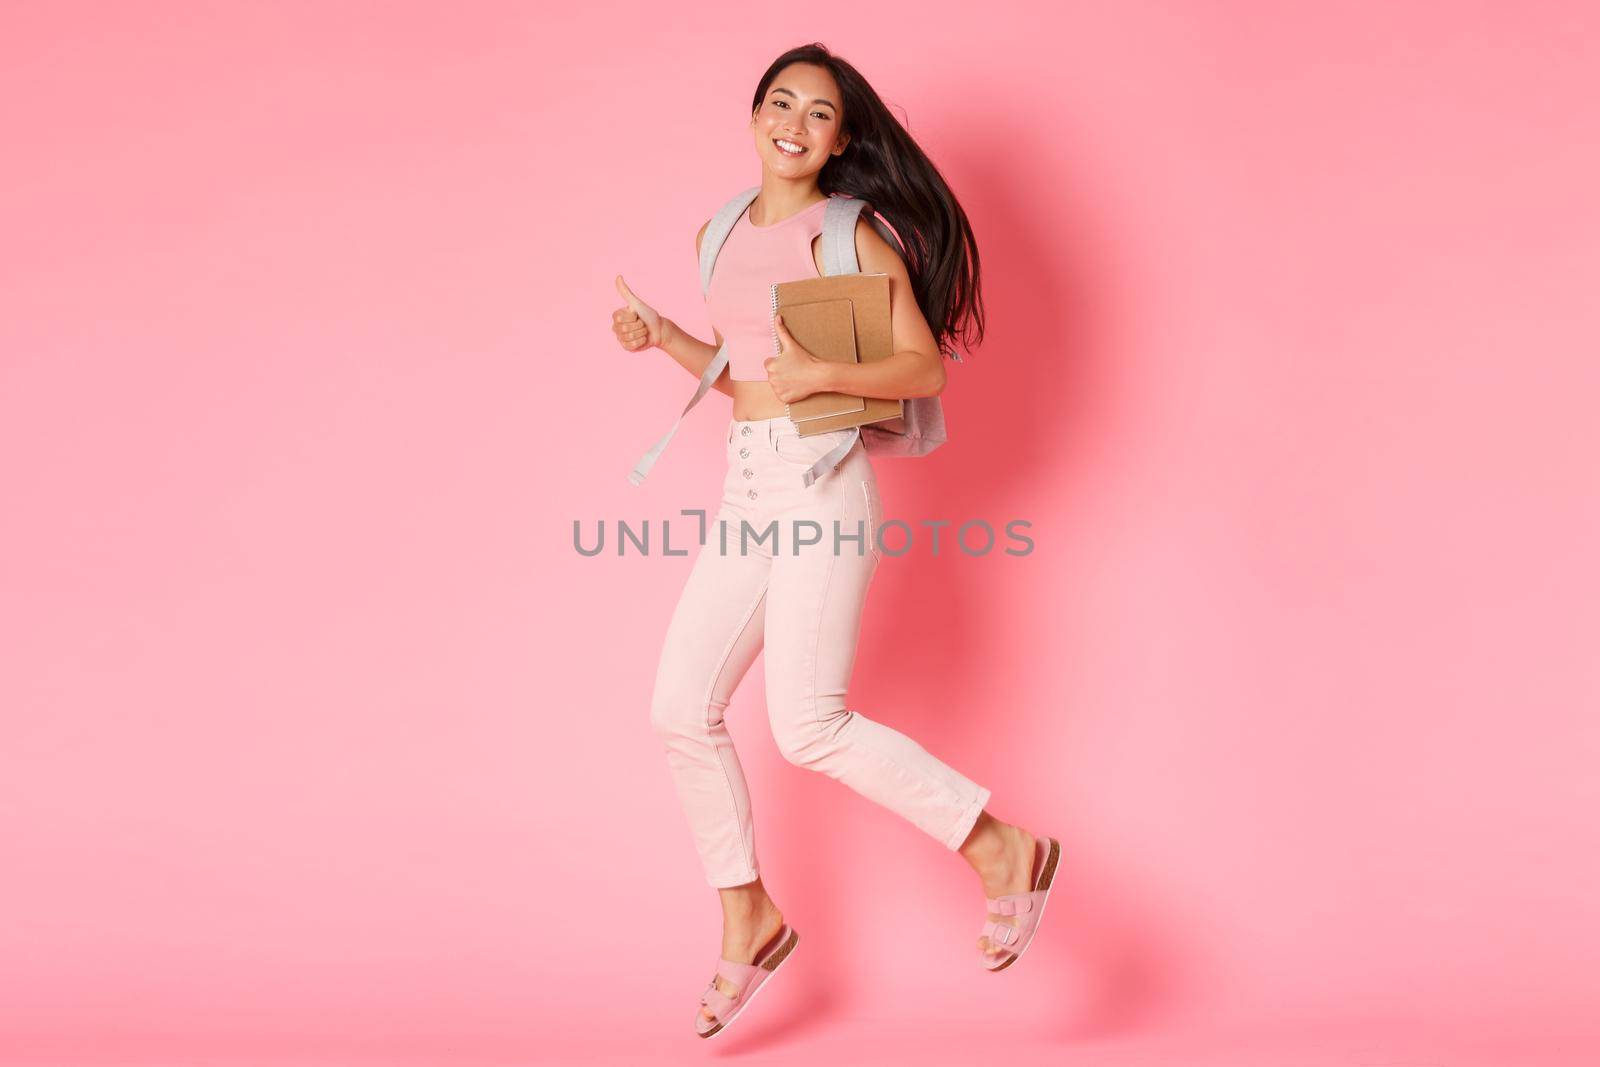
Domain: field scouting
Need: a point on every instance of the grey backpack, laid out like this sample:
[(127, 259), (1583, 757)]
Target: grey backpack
[(918, 432)]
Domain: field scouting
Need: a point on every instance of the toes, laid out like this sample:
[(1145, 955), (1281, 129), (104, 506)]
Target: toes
[(722, 986), (991, 950)]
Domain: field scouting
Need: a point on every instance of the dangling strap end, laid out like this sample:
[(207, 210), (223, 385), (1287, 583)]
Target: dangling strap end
[(709, 375), (832, 459)]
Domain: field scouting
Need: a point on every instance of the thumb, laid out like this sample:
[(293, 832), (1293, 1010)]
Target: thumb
[(644, 311), (785, 339)]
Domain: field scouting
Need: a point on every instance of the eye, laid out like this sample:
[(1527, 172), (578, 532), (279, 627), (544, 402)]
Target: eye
[(823, 115)]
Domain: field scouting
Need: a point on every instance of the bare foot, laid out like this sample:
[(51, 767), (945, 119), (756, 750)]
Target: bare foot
[(750, 920), (1003, 856)]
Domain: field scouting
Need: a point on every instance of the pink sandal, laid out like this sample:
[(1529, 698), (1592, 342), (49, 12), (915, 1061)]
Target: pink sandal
[(748, 977), (1028, 907)]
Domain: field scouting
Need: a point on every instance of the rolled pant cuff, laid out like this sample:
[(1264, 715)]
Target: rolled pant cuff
[(729, 881), (963, 826)]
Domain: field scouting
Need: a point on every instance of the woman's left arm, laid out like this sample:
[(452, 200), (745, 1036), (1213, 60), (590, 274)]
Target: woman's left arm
[(914, 369)]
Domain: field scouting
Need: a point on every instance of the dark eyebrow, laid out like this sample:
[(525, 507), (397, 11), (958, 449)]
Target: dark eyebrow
[(818, 100)]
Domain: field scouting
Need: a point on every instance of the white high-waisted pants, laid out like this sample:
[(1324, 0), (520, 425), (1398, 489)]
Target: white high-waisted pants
[(805, 608)]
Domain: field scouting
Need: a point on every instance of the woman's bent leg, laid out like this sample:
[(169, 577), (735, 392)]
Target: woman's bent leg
[(714, 636), (814, 609)]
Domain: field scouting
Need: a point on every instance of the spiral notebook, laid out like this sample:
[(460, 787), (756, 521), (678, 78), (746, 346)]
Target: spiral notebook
[(845, 318)]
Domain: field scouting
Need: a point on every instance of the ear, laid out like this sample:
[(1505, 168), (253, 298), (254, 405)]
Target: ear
[(844, 142)]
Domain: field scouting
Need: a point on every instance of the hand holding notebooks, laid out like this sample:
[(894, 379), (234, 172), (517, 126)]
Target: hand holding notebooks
[(826, 329), (867, 296)]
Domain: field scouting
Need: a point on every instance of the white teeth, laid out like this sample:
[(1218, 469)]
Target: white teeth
[(790, 147)]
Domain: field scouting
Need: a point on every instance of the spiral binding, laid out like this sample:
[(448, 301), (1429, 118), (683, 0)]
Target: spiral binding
[(772, 317)]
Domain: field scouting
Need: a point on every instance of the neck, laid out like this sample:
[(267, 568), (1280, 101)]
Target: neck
[(781, 197)]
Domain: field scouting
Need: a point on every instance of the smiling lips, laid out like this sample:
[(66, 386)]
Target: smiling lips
[(788, 147)]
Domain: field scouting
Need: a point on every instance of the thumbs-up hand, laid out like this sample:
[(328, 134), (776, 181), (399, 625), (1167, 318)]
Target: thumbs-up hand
[(637, 325), (793, 373)]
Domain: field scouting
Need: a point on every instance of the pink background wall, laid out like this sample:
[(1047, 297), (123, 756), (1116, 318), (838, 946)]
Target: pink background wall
[(318, 740)]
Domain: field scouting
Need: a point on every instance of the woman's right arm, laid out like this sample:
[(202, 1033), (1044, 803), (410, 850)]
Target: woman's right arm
[(693, 354)]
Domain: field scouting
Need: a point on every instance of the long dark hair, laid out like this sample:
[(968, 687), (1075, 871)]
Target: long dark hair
[(884, 166)]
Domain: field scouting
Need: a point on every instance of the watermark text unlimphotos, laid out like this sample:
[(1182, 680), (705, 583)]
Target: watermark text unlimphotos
[(975, 537)]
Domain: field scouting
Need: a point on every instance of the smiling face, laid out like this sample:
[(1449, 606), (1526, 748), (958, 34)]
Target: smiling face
[(800, 111)]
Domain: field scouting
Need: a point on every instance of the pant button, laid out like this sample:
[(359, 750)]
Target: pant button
[(748, 473), (744, 453), (752, 494), (745, 430)]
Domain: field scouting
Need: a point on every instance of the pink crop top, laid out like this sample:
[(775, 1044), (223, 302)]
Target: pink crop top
[(739, 298)]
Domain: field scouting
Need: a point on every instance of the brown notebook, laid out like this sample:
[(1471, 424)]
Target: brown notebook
[(826, 329), (868, 298)]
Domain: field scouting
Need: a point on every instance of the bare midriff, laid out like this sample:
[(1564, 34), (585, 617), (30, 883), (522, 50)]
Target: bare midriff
[(756, 400)]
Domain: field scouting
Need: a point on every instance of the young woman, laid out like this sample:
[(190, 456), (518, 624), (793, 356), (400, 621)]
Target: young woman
[(819, 129)]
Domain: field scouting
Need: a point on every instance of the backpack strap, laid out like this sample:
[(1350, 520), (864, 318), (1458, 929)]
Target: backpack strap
[(710, 244), (839, 234), (834, 457), (717, 232)]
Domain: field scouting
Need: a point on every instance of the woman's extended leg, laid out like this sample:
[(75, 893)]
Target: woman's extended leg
[(814, 607), (813, 619)]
